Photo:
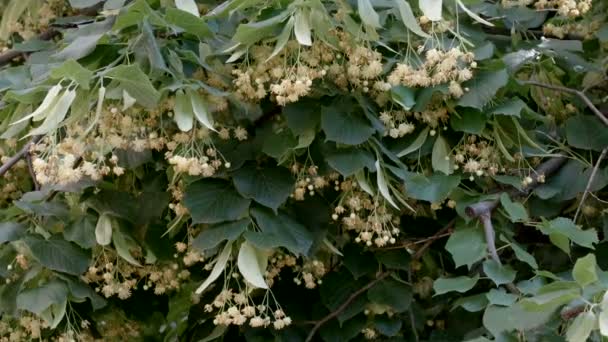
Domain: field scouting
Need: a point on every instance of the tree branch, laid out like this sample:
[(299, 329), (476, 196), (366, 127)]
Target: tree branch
[(589, 182), (344, 305), (9, 55), (439, 234), (578, 93), (24, 151)]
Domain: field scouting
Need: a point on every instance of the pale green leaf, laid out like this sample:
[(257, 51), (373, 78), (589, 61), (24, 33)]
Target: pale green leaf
[(133, 80), (584, 271), (441, 157), (188, 22), (500, 297), (283, 38), (302, 29), (182, 112), (516, 211), (383, 186), (188, 6), (48, 103), (603, 322), (103, 230), (56, 114), (72, 70), (408, 18), (368, 13), (200, 109), (581, 327), (252, 264), (431, 9)]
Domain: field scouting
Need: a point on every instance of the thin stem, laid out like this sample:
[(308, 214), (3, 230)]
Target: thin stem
[(589, 182), (578, 93)]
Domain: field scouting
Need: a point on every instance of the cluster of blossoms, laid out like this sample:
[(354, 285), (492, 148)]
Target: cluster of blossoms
[(477, 157), (10, 189), (309, 273), (308, 181), (114, 278), (239, 309), (566, 8), (367, 216), (396, 123), (584, 29), (261, 76), (439, 67), (363, 68), (28, 327), (194, 154)]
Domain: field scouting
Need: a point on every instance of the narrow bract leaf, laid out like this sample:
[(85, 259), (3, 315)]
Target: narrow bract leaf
[(200, 110), (187, 6), (127, 100), (368, 13), (603, 323), (103, 230), (218, 268), (47, 103), (56, 114), (360, 177), (302, 27), (416, 144), (382, 186), (283, 38), (123, 246), (431, 9), (252, 265), (474, 16), (408, 18), (183, 116)]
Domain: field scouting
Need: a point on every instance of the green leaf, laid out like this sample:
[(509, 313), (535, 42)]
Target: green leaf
[(383, 185), (470, 121), (38, 300), (441, 158), (84, 40), (392, 293), (467, 246), (566, 228), (512, 107), (483, 88), (398, 259), (214, 200), (285, 231), (150, 47), (72, 70), (55, 114), (500, 274), (522, 255), (358, 261), (124, 244), (460, 284), (552, 295), (58, 254), (252, 264), (506, 319), (188, 22), (431, 9), (201, 112), (584, 271), (473, 303), (344, 127), (188, 6), (582, 327), (348, 161), (283, 38), (302, 116), (250, 33), (501, 297), (269, 186), (516, 211), (211, 237), (134, 81), (11, 231), (586, 132), (404, 96), (81, 232), (434, 188)]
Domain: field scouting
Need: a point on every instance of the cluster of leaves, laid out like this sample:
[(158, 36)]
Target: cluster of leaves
[(263, 165)]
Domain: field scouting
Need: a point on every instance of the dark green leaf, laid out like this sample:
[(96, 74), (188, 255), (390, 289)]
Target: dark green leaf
[(467, 246), (434, 188), (303, 116), (211, 237), (214, 200), (82, 232), (515, 210), (289, 233), (188, 22), (483, 87), (459, 284), (500, 274), (11, 231), (586, 132), (468, 120), (345, 127), (269, 186), (348, 161), (392, 293), (58, 254)]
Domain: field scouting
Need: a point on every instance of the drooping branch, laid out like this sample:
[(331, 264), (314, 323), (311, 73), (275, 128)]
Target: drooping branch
[(344, 305), (25, 150), (578, 93)]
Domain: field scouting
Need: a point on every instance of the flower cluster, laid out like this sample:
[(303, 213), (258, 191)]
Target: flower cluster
[(309, 181), (439, 67), (478, 157), (396, 123), (585, 29), (239, 309), (369, 217)]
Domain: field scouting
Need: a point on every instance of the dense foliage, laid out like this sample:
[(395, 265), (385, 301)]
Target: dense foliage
[(303, 170)]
